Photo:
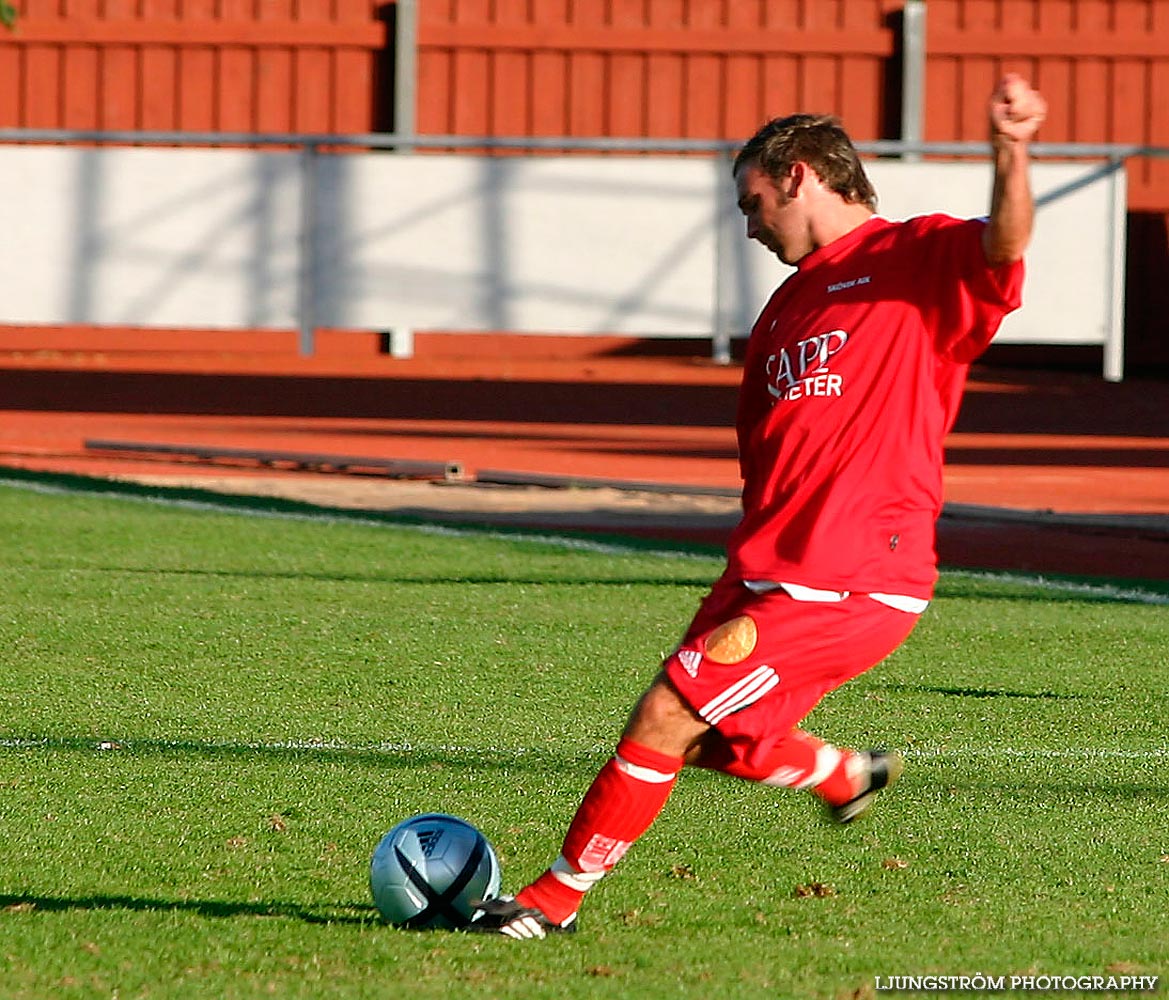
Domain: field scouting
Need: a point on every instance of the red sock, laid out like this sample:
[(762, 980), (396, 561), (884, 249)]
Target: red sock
[(623, 800), (802, 761)]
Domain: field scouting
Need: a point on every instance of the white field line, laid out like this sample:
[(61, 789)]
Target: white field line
[(1020, 753), (1101, 591), (1104, 591), (397, 749), (341, 746)]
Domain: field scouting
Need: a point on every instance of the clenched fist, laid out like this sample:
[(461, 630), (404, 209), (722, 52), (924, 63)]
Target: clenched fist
[(1016, 110)]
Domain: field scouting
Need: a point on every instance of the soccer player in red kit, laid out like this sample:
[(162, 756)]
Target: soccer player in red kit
[(853, 375)]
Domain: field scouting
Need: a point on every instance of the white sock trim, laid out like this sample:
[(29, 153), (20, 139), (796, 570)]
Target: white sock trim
[(827, 760), (565, 873), (646, 774)]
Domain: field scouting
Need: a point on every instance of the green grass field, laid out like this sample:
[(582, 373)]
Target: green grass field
[(211, 715)]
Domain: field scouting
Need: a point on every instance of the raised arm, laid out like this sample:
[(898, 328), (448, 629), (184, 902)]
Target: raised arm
[(1016, 112)]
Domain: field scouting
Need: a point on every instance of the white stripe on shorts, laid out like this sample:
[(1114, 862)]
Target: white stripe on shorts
[(739, 695)]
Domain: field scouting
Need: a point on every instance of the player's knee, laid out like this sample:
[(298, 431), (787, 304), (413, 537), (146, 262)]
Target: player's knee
[(662, 721)]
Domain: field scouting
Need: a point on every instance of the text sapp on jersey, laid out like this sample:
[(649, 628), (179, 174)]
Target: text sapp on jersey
[(804, 370)]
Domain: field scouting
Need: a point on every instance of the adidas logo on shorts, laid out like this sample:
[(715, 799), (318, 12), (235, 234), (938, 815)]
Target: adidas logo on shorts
[(690, 659)]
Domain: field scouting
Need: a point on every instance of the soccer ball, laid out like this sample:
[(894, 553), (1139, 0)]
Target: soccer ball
[(428, 870)]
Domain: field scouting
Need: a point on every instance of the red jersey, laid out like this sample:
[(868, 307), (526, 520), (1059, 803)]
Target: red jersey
[(853, 376)]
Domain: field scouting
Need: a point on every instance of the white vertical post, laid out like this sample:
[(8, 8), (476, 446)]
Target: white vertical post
[(306, 313), (401, 341), (913, 52), (1114, 335), (406, 69), (720, 345)]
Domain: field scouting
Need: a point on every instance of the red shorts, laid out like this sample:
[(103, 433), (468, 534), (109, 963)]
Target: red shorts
[(753, 665)]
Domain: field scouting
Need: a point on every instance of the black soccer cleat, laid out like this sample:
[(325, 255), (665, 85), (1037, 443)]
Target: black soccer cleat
[(503, 915), (882, 769)]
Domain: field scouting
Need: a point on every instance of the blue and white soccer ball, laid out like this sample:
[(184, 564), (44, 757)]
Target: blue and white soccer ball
[(429, 870)]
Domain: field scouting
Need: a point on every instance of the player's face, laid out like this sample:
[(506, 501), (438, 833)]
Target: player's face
[(772, 216)]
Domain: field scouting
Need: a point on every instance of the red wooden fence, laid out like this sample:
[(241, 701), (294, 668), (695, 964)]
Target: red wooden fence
[(191, 65), (661, 68), (1103, 65)]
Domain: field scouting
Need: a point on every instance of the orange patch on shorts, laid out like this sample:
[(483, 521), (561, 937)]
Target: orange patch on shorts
[(733, 641)]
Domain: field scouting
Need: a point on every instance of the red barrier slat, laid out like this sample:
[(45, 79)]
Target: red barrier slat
[(878, 42), (173, 32)]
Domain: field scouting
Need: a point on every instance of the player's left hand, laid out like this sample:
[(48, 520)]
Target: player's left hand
[(1016, 110)]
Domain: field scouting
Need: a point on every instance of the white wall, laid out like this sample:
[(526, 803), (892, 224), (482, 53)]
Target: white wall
[(149, 237), (566, 245), (581, 244)]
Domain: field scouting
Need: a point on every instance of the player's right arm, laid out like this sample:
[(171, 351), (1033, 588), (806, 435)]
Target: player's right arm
[(1016, 112)]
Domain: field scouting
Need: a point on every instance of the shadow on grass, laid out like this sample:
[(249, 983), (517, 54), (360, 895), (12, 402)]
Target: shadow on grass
[(404, 755), (335, 913), (968, 692), (398, 578)]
